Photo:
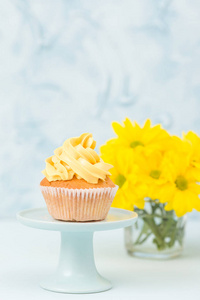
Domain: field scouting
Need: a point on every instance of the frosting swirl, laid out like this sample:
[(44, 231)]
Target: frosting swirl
[(76, 158)]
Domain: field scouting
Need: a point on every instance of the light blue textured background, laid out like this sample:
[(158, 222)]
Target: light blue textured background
[(69, 66)]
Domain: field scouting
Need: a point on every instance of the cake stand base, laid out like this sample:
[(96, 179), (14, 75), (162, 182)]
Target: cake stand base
[(76, 272)]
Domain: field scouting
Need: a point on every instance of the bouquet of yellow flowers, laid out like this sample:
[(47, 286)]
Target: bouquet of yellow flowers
[(150, 165)]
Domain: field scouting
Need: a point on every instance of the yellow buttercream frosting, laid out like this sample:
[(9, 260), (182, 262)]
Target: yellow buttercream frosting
[(76, 158)]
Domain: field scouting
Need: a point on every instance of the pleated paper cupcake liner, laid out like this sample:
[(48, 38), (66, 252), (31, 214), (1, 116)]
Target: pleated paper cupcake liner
[(78, 204)]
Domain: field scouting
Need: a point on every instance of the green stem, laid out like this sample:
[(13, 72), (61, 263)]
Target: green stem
[(139, 236), (166, 228), (155, 230), (173, 235), (144, 239)]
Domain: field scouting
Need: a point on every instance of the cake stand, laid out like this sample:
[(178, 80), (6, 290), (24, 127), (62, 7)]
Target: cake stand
[(76, 271)]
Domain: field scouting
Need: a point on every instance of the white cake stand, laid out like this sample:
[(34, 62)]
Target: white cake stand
[(76, 271)]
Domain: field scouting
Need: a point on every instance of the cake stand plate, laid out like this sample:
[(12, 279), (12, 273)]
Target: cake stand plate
[(76, 271)]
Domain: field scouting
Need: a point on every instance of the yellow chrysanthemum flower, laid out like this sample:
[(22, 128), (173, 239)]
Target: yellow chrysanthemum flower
[(194, 142), (124, 174), (181, 191), (151, 170), (131, 135)]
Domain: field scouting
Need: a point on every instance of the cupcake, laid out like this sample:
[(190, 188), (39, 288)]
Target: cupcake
[(77, 186)]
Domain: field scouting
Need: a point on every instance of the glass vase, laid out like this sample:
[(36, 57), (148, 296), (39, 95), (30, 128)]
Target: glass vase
[(157, 234)]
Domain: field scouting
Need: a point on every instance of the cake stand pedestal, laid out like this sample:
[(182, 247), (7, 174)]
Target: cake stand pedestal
[(76, 271)]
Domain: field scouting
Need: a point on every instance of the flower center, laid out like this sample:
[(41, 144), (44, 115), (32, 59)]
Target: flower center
[(135, 144), (181, 183), (120, 180), (155, 174)]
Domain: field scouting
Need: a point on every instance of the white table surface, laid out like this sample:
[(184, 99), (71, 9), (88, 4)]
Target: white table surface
[(27, 255)]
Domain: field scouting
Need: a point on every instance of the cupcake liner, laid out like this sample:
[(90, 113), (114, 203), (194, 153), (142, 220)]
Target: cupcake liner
[(78, 204)]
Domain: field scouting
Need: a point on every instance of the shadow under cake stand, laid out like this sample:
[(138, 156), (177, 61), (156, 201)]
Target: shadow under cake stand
[(76, 271)]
